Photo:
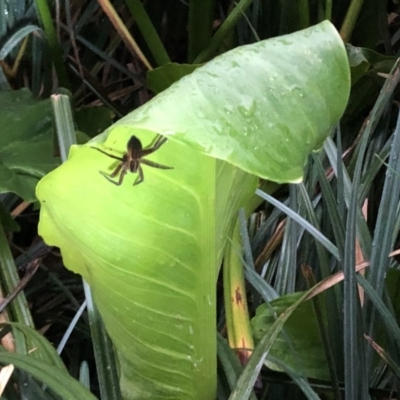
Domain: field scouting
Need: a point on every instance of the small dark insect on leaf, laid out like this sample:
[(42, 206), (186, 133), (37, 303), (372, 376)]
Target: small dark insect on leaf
[(133, 158)]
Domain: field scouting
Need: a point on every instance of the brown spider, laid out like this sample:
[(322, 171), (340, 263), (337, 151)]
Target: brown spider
[(131, 160)]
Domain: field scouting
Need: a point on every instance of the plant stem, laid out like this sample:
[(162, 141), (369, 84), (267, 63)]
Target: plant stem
[(201, 13), (123, 32), (350, 19), (222, 31), (56, 51), (148, 31)]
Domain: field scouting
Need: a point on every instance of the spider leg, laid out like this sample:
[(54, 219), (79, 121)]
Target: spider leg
[(157, 144), (159, 141), (140, 177), (108, 178), (154, 164), (156, 141), (121, 177), (108, 154), (114, 174), (116, 170)]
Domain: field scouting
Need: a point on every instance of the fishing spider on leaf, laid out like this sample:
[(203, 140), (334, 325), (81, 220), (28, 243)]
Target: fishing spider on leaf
[(133, 158)]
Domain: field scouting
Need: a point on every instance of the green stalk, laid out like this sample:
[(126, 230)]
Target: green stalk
[(304, 14), (148, 31), (237, 314), (123, 32), (64, 124), (56, 51), (201, 14), (350, 19), (222, 32), (328, 9)]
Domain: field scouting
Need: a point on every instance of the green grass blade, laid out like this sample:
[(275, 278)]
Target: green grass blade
[(356, 366), (301, 381), (373, 169), (387, 317), (148, 31), (5, 19), (327, 336), (251, 27), (56, 379), (15, 38), (223, 31), (332, 331), (37, 70), (84, 374), (201, 15), (311, 215), (304, 14), (351, 349), (107, 58), (4, 84), (302, 222), (244, 233), (286, 274), (87, 14), (71, 328), (331, 205), (263, 288), (230, 363), (384, 233), (18, 308), (98, 91), (340, 193), (55, 49), (385, 356), (44, 350), (350, 20), (344, 191)]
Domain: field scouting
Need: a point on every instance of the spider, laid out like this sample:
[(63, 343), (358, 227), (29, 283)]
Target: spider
[(131, 160)]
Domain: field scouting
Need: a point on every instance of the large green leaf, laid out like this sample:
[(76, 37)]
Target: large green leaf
[(26, 142), (150, 255), (151, 252)]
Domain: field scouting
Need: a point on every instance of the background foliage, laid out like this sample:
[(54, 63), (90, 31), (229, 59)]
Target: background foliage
[(106, 56)]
